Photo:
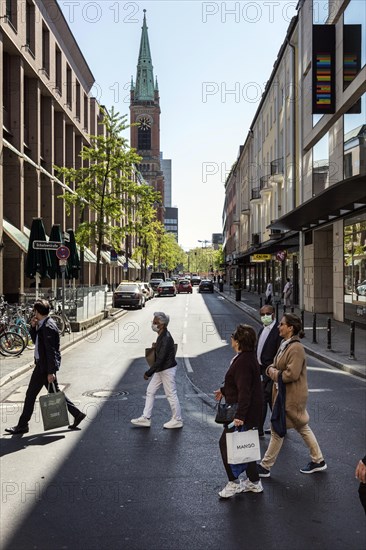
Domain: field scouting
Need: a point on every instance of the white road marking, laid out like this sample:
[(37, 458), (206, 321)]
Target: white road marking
[(184, 338), (185, 324), (187, 363), (319, 390)]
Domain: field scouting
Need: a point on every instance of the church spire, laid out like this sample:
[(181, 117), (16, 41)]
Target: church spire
[(144, 89)]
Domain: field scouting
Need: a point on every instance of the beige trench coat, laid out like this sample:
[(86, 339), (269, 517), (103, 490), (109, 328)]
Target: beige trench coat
[(292, 364)]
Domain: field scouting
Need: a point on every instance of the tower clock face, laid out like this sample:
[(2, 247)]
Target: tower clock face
[(145, 122)]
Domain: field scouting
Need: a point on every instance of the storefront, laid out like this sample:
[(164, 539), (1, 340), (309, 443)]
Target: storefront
[(354, 262)]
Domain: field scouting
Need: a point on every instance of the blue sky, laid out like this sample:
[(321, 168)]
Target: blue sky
[(212, 60)]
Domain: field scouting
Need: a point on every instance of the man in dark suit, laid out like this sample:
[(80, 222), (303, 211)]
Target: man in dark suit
[(47, 357), (267, 345)]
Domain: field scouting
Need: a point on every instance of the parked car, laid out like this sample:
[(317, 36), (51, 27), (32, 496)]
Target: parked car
[(167, 288), (184, 286), (147, 290), (361, 289), (128, 295), (206, 285), (195, 280), (154, 283)]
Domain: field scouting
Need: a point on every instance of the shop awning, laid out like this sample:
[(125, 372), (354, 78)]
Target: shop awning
[(132, 263), (288, 241), (17, 236), (337, 201)]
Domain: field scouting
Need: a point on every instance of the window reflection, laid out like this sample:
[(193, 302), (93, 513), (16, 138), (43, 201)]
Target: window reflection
[(354, 124), (355, 268)]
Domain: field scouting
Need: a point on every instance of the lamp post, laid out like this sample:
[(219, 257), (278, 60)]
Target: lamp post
[(204, 245)]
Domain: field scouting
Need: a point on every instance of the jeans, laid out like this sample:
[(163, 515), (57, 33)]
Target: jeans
[(167, 379), (251, 471), (276, 443)]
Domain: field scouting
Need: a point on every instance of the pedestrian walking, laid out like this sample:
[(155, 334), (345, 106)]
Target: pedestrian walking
[(269, 294), (290, 361), (47, 359), (360, 474), (287, 294), (163, 372), (268, 342), (242, 385)]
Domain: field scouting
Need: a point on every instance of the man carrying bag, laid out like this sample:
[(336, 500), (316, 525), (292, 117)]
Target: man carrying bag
[(47, 357)]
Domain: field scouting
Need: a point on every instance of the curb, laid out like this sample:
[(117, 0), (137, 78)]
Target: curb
[(29, 365), (332, 362)]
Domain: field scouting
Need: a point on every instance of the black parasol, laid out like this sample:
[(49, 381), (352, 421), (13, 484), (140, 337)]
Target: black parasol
[(73, 263)]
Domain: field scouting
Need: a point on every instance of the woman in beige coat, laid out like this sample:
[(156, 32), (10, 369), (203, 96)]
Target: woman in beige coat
[(290, 361)]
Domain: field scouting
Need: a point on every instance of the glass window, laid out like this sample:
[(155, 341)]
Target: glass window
[(321, 165), (354, 140), (355, 268), (355, 14), (46, 50)]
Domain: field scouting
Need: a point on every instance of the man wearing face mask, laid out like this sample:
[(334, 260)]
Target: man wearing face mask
[(268, 343), (163, 372)]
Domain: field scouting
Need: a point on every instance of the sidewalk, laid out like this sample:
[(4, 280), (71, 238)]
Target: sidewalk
[(12, 367), (339, 354)]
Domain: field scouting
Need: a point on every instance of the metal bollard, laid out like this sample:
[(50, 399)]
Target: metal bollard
[(352, 342), (302, 313), (329, 333), (260, 302), (277, 305), (292, 309), (314, 329)]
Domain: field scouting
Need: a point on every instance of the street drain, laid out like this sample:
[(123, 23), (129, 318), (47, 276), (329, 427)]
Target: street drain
[(105, 394)]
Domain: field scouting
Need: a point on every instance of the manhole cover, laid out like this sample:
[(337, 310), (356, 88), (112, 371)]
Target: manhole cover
[(105, 394)]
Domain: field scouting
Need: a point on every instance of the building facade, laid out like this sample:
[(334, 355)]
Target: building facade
[(303, 169), (46, 115)]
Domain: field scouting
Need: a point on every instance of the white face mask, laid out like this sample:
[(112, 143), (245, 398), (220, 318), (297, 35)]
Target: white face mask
[(155, 327), (266, 320)]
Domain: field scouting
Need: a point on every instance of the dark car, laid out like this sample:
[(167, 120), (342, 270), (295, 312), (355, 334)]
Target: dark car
[(184, 285), (128, 295), (154, 283), (195, 280), (167, 288), (206, 286)]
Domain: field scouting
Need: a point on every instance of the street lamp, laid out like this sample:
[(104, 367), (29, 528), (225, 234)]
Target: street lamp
[(204, 245)]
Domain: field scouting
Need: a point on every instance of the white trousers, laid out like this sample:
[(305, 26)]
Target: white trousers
[(167, 379)]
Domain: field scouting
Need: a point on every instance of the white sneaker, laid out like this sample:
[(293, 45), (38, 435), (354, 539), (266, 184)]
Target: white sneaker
[(141, 421), (173, 423), (246, 485), (230, 490)]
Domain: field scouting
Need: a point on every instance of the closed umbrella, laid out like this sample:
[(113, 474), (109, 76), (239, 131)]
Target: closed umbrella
[(38, 262), (55, 271), (73, 263)]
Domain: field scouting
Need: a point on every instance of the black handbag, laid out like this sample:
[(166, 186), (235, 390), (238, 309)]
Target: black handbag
[(225, 412)]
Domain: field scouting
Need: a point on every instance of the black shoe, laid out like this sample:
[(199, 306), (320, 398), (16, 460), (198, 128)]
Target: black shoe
[(17, 430), (79, 418), (263, 472), (313, 467)]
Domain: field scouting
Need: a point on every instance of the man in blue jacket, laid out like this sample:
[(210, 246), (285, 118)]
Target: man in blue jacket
[(47, 358)]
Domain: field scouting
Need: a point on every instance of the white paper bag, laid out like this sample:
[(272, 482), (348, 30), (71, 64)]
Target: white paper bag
[(243, 447)]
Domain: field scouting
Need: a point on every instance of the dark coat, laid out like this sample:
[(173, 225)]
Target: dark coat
[(242, 385), (164, 353), (270, 347), (48, 346)]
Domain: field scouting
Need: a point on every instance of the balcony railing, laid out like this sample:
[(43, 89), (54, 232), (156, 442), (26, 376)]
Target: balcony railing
[(255, 193), (264, 182), (277, 167)]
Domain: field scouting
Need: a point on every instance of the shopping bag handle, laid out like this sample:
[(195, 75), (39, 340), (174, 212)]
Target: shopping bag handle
[(53, 386)]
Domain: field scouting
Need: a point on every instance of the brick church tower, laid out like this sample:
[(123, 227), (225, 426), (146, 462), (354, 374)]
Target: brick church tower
[(145, 110)]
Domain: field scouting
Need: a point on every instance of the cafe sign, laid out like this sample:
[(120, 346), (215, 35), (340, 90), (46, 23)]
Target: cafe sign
[(260, 257)]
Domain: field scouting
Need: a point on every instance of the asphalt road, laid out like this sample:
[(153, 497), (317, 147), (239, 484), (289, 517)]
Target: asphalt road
[(113, 486)]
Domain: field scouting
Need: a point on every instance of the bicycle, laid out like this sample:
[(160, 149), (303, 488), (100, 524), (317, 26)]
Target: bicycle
[(60, 318), (19, 322), (11, 343)]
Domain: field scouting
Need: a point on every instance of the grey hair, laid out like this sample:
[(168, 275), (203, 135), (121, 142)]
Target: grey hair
[(163, 317)]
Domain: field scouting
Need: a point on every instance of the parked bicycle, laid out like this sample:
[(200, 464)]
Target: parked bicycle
[(60, 317), (11, 343)]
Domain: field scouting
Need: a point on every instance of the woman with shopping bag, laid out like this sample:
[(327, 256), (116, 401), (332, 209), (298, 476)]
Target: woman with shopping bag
[(242, 386)]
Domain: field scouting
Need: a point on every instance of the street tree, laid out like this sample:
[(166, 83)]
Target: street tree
[(106, 186)]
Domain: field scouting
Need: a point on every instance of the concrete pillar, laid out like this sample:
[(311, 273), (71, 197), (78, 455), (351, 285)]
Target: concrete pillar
[(1, 179), (59, 160)]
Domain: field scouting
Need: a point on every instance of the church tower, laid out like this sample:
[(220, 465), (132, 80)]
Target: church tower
[(145, 111)]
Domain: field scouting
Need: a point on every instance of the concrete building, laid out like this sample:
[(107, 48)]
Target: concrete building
[(307, 207)]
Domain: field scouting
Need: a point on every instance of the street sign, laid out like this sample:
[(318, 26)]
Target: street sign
[(62, 252), (281, 255), (62, 262), (46, 245), (260, 257)]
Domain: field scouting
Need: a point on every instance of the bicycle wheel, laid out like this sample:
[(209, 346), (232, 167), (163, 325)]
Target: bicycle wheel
[(11, 343), (59, 322)]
